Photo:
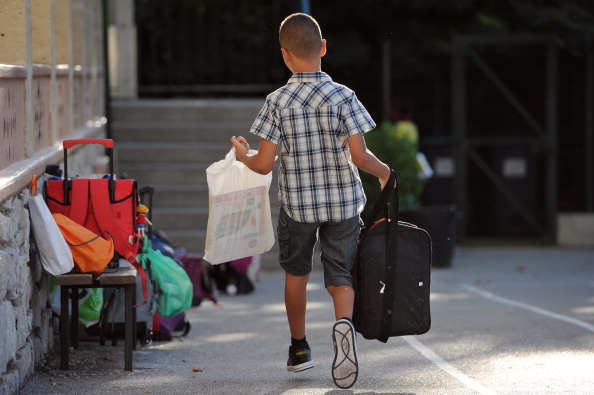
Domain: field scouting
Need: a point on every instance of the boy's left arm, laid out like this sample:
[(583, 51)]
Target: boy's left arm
[(263, 161), (365, 160)]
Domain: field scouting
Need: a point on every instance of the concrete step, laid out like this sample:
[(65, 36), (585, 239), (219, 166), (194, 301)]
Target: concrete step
[(192, 174), (172, 152), (180, 217), (169, 144), (182, 131), (165, 173), (186, 110), (187, 218), (179, 195)]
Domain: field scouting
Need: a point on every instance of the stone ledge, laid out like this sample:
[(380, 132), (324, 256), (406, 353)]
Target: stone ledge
[(17, 176), (8, 71), (12, 71), (191, 103)]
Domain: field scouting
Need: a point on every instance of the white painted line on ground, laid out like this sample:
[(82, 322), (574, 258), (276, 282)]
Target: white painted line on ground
[(446, 367), (534, 309)]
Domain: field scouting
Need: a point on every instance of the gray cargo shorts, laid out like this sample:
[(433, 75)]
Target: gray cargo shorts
[(338, 241)]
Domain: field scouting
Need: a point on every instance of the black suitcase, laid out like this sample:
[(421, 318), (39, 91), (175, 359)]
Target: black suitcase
[(392, 274)]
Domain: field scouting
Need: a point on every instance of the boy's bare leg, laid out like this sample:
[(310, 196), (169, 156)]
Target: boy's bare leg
[(345, 367), (344, 300), (295, 303)]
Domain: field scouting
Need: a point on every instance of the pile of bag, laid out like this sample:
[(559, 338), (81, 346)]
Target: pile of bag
[(100, 224), (92, 225)]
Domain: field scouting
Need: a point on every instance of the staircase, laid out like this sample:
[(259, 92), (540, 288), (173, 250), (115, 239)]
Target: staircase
[(169, 144)]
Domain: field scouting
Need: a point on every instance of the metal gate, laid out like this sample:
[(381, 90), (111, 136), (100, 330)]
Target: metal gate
[(209, 47), (504, 119)]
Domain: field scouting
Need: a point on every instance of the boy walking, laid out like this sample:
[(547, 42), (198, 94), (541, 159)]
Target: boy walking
[(319, 126)]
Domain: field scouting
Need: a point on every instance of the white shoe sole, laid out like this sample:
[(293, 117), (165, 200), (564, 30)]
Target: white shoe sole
[(301, 367), (345, 367)]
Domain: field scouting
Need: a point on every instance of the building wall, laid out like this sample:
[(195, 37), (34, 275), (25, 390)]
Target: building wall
[(51, 89)]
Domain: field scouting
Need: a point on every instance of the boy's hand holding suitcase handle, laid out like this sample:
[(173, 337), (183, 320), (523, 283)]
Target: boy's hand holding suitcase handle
[(383, 199)]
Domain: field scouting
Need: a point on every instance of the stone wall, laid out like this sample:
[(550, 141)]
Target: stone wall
[(18, 281), (26, 328), (51, 89)]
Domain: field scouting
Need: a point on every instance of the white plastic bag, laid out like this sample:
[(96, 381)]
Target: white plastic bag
[(239, 221), (54, 252)]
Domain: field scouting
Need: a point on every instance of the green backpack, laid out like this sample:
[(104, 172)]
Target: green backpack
[(174, 286)]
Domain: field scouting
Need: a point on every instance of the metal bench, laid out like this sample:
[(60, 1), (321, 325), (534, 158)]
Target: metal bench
[(124, 277)]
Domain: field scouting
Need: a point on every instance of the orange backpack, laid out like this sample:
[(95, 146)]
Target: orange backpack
[(91, 252)]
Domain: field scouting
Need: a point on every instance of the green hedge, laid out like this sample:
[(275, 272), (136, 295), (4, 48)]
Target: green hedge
[(398, 148)]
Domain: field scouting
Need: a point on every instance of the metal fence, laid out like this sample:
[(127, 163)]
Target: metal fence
[(209, 47)]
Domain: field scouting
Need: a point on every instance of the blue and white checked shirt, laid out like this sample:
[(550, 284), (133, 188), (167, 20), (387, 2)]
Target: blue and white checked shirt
[(311, 119)]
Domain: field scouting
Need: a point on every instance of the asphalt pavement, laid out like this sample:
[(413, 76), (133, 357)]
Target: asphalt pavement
[(517, 320)]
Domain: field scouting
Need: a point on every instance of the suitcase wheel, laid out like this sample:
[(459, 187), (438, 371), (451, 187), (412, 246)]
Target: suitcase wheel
[(146, 339)]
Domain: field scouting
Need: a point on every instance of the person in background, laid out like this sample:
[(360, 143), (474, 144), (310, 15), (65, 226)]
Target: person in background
[(405, 126)]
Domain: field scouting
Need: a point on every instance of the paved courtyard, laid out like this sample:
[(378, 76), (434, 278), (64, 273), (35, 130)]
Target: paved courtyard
[(517, 320)]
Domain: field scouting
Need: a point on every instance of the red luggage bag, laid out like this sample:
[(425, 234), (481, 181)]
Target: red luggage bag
[(104, 204)]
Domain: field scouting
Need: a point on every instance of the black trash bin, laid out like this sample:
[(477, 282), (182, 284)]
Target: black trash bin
[(440, 223)]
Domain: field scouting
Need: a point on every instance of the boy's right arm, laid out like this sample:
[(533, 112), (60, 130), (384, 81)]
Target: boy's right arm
[(263, 161), (366, 160)]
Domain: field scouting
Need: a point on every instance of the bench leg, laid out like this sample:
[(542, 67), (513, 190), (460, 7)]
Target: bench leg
[(129, 323), (114, 336), (135, 326), (74, 318), (64, 327)]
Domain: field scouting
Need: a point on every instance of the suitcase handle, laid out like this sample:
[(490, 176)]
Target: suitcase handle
[(381, 204), (107, 143)]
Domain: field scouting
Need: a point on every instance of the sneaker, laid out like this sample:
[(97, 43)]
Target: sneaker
[(299, 359), (345, 367)]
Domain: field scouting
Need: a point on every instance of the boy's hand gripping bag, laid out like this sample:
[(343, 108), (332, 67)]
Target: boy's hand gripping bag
[(239, 221)]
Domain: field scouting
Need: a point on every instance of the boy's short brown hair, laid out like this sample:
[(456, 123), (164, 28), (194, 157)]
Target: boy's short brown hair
[(301, 34)]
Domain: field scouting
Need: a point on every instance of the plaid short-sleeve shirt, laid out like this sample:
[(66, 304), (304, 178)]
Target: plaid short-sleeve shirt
[(311, 119)]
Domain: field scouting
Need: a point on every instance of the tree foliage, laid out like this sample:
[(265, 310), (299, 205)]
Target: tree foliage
[(215, 35), (426, 27), (399, 151)]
